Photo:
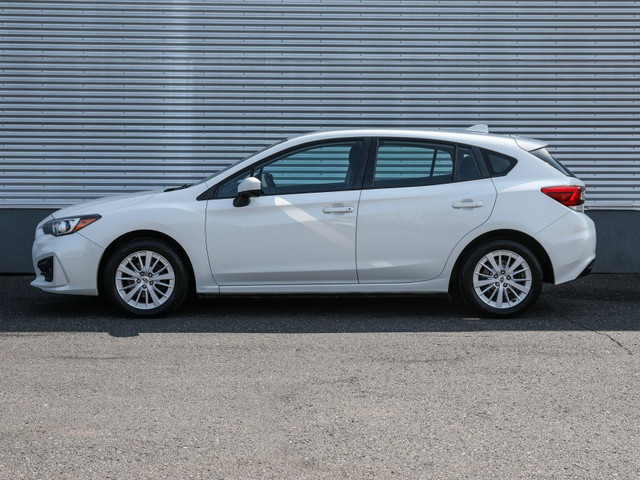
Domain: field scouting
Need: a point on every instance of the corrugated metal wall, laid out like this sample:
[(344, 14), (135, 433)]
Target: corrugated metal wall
[(99, 97)]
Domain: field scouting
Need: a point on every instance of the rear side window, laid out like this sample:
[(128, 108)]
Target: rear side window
[(545, 156), (409, 164), (497, 163)]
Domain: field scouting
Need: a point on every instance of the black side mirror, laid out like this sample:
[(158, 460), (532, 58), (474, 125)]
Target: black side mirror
[(249, 187)]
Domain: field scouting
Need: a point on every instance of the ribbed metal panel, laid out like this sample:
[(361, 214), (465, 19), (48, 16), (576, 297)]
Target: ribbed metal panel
[(110, 96)]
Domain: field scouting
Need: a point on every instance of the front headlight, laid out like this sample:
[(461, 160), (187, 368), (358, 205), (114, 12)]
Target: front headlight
[(67, 225)]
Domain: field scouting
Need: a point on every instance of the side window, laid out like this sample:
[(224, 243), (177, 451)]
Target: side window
[(497, 163), (412, 164), (466, 165), (320, 168)]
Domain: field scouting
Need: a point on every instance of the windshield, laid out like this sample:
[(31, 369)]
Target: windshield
[(224, 169)]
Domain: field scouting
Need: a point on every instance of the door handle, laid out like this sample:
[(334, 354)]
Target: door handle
[(338, 209), (467, 204)]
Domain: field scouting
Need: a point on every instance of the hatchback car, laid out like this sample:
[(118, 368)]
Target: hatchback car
[(353, 211)]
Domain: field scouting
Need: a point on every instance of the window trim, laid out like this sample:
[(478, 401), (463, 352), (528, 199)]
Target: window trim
[(477, 153), (212, 193), (369, 179)]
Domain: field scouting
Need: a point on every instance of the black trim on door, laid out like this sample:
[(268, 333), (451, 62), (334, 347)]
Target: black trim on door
[(369, 145), (481, 162), (370, 166)]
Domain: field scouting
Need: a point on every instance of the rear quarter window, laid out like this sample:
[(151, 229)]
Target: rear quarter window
[(497, 163)]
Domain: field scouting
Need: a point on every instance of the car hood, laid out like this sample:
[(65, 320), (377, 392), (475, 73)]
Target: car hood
[(104, 204)]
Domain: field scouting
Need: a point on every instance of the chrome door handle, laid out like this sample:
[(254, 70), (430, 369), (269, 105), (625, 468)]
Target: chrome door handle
[(467, 204), (338, 209)]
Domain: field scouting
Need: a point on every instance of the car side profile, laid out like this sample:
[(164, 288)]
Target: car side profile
[(352, 211)]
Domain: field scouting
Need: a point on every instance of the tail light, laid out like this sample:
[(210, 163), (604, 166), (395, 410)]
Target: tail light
[(571, 196)]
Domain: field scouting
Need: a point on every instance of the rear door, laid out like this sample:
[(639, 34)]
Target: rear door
[(420, 199)]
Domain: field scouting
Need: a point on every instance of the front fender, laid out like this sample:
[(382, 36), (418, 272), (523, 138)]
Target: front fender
[(182, 221)]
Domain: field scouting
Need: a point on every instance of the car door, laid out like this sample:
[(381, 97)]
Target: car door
[(420, 199), (301, 230)]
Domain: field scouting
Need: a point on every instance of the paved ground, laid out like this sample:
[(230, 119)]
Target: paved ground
[(322, 388)]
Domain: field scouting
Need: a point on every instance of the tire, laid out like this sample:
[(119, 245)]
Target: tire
[(505, 291), (146, 277)]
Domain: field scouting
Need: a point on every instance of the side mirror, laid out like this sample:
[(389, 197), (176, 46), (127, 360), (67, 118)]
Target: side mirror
[(249, 187)]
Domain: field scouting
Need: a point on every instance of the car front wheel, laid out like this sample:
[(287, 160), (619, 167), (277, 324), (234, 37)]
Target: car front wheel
[(146, 278), (501, 278)]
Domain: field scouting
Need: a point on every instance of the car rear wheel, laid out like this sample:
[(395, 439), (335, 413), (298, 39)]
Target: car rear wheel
[(501, 278), (146, 278)]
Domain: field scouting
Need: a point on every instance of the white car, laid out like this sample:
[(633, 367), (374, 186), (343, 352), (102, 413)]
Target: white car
[(351, 211)]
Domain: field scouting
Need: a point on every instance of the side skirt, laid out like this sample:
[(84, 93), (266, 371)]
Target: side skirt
[(435, 286)]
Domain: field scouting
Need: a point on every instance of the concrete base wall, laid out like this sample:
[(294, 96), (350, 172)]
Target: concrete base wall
[(16, 238), (618, 233)]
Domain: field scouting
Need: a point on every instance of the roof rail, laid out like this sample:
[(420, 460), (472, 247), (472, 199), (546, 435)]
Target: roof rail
[(478, 128)]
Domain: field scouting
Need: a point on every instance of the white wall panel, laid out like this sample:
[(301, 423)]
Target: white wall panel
[(109, 96)]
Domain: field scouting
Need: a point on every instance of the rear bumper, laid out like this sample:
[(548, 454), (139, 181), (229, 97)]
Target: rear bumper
[(587, 271), (67, 264), (570, 243)]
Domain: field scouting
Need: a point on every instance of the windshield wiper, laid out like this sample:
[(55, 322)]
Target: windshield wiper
[(178, 188)]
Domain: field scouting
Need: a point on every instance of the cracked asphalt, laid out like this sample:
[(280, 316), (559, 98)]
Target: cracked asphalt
[(314, 388)]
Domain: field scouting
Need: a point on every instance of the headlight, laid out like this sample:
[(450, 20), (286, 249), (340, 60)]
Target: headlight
[(67, 225)]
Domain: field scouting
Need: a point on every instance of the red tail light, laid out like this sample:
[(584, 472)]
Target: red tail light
[(568, 195)]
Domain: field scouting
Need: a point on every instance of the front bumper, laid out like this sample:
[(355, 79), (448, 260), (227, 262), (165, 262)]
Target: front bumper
[(74, 263), (570, 243)]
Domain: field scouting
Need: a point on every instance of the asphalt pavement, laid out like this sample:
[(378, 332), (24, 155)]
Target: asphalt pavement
[(315, 388)]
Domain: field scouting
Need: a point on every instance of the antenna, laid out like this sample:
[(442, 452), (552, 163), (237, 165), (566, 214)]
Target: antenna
[(478, 128)]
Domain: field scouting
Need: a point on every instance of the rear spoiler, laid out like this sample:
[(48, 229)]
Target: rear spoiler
[(529, 144)]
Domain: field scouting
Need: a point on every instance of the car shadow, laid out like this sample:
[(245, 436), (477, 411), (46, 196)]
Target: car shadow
[(598, 302)]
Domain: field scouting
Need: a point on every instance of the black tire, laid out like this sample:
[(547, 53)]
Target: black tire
[(172, 295), (500, 286)]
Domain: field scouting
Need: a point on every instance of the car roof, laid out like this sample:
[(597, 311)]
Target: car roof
[(475, 135)]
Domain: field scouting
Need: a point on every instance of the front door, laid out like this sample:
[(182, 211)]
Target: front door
[(302, 230)]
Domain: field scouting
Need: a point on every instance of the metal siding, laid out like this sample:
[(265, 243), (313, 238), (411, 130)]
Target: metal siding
[(106, 97)]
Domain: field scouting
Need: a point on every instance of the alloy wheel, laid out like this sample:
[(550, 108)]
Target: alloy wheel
[(145, 279), (502, 279)]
